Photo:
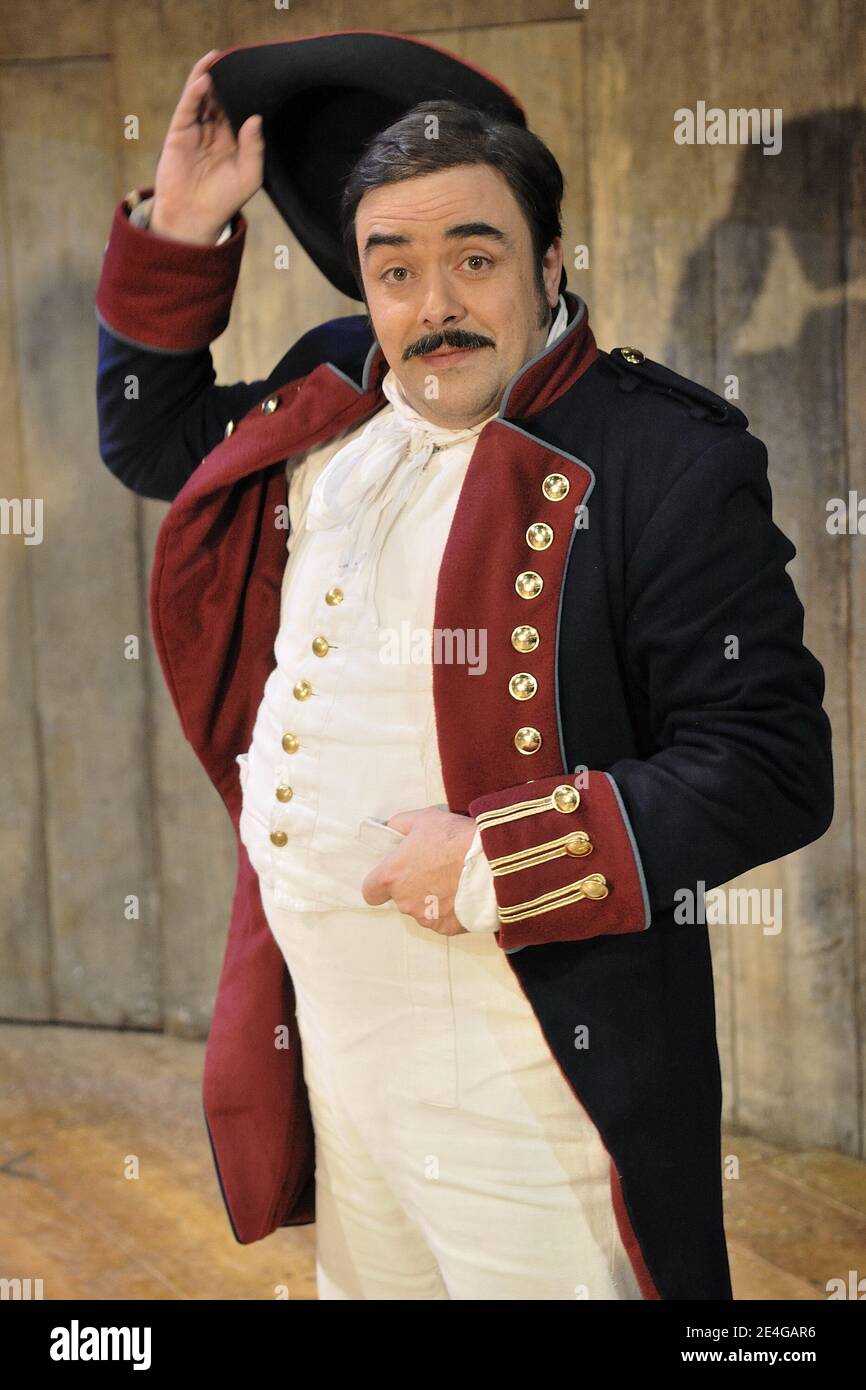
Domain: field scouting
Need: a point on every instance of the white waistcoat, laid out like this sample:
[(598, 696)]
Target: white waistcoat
[(346, 728)]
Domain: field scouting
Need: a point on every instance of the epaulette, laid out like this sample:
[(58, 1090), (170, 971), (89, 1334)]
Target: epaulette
[(635, 370)]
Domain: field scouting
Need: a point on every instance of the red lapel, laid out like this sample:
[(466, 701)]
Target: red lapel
[(487, 553)]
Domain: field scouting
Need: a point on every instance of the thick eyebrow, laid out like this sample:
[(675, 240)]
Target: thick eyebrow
[(461, 232)]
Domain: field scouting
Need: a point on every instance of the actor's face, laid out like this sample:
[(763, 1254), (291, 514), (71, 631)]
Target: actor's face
[(447, 263)]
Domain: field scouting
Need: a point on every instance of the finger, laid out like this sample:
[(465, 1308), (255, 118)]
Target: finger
[(188, 109), (211, 106), (250, 138), (198, 85), (374, 897), (372, 890), (250, 146), (212, 112), (197, 71), (200, 65)]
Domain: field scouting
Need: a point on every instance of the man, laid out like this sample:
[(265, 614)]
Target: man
[(502, 1077)]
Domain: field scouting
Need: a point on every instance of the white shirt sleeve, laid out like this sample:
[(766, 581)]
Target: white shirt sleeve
[(140, 217), (475, 905)]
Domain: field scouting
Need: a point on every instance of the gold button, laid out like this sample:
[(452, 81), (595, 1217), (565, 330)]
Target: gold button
[(539, 535), (284, 793), (334, 595), (632, 354), (527, 740), (302, 690), (529, 584), (279, 837), (595, 886), (270, 405), (229, 429), (566, 798), (555, 486), (321, 646), (525, 638), (578, 844), (522, 686), (290, 743)]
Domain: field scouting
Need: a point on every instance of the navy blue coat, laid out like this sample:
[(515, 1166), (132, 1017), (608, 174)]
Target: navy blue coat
[(700, 766)]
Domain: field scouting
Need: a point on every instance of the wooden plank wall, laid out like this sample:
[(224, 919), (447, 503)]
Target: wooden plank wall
[(718, 260)]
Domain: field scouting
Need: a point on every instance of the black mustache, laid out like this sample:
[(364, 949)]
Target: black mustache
[(450, 337)]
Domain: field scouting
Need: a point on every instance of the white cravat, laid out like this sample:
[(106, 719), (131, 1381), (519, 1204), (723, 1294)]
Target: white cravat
[(366, 483)]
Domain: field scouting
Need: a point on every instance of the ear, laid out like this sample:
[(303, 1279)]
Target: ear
[(551, 270)]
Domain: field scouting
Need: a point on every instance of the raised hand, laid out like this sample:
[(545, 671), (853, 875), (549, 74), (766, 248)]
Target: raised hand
[(204, 175)]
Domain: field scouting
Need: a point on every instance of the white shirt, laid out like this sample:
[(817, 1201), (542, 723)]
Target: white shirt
[(370, 513)]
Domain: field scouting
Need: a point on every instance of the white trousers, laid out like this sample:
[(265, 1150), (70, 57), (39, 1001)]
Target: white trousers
[(453, 1159)]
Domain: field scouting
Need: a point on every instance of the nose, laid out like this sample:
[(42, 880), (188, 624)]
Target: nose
[(441, 306)]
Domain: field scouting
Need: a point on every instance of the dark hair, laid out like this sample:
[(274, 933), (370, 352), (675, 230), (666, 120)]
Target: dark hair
[(466, 135)]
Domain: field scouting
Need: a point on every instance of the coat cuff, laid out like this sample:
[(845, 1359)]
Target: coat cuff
[(168, 295), (564, 860)]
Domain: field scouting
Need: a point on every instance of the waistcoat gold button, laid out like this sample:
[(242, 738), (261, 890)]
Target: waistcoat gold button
[(290, 743), (279, 838), (302, 690)]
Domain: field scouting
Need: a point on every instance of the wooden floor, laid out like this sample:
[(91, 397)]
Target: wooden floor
[(76, 1103)]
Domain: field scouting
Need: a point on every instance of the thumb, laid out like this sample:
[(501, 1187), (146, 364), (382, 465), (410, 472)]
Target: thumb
[(251, 144)]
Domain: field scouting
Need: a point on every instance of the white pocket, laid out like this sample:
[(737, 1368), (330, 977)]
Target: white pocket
[(375, 834)]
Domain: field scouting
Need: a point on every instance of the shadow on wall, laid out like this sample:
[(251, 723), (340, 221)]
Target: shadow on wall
[(773, 279)]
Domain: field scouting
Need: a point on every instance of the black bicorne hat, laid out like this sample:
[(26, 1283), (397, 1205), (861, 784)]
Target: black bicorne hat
[(321, 100)]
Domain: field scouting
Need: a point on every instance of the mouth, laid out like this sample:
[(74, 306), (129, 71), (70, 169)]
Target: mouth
[(445, 354)]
